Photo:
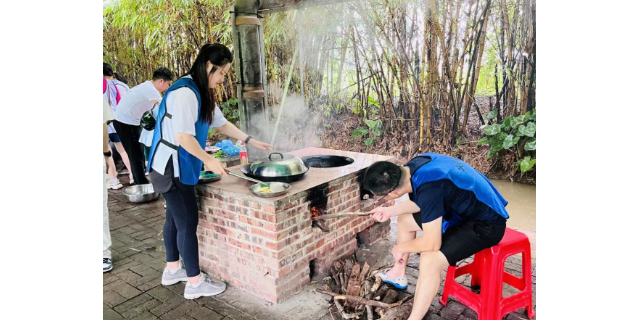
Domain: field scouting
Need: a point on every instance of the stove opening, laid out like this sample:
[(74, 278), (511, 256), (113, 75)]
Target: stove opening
[(319, 200), (327, 161)]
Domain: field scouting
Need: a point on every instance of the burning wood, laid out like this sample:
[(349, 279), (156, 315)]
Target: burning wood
[(320, 224), (358, 294)]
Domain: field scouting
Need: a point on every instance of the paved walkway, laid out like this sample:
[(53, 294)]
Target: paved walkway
[(132, 290)]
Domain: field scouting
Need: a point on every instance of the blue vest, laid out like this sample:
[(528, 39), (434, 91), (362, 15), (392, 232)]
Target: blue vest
[(463, 176), (189, 165)]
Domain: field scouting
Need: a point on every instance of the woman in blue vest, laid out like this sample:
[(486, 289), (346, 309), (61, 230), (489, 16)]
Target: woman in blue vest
[(458, 210), (185, 115)]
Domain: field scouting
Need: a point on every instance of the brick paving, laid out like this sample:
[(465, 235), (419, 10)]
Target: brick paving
[(132, 290)]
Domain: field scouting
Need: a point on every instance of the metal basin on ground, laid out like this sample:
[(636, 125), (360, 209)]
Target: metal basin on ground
[(140, 193)]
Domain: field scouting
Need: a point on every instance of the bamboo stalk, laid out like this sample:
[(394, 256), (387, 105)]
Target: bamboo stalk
[(284, 95)]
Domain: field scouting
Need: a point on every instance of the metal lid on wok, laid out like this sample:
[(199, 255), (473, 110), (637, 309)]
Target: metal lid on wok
[(278, 165)]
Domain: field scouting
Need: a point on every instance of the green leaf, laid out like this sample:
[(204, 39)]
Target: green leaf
[(492, 129), (233, 101), (492, 115), (510, 141), (530, 145), (507, 122), (376, 132), (494, 149), (526, 164), (529, 130), (517, 121), (483, 141), (501, 136), (533, 114), (369, 141), (359, 132), (370, 123)]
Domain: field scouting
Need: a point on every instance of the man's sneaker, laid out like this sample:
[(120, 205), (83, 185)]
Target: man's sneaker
[(106, 265), (400, 283), (114, 185), (205, 288), (131, 181), (169, 278)]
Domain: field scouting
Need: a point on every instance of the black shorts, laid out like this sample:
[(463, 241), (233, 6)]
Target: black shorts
[(114, 137), (468, 238)]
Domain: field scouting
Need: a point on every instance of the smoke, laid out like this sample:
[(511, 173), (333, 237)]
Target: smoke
[(298, 128)]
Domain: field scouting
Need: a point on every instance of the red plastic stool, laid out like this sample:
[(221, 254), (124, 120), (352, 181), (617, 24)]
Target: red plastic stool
[(487, 270)]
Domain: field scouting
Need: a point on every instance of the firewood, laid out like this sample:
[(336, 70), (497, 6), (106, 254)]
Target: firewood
[(343, 282), (399, 313), (354, 299), (353, 288), (336, 278), (343, 313), (338, 215), (390, 297), (363, 273), (376, 285), (338, 265), (369, 312), (348, 267), (329, 284), (366, 288), (380, 292)]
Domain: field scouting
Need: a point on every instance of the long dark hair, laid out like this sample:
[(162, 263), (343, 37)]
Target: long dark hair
[(120, 78), (219, 56)]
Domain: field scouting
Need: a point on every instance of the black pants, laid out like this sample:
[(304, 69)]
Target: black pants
[(181, 225), (130, 136)]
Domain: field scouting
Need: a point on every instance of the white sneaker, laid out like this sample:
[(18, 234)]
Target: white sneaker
[(131, 181), (114, 185), (169, 278), (106, 265), (400, 283), (205, 288)]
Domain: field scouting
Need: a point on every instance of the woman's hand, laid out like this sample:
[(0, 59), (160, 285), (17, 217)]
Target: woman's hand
[(381, 214), (261, 145), (214, 165)]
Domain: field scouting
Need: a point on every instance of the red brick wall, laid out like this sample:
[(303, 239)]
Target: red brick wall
[(265, 247)]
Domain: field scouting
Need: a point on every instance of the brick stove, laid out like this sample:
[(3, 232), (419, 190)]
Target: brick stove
[(268, 246)]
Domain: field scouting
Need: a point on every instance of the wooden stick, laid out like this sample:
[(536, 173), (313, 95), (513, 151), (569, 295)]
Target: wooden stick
[(338, 215), (343, 313), (355, 299), (369, 312)]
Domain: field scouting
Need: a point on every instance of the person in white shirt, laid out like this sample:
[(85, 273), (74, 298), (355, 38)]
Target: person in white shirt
[(107, 116), (177, 154), (112, 95), (139, 100)]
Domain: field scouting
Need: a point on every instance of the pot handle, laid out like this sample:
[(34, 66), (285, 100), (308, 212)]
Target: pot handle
[(281, 155)]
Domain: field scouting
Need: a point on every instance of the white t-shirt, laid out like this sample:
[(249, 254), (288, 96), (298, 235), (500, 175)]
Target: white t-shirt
[(182, 104), (136, 103), (107, 115)]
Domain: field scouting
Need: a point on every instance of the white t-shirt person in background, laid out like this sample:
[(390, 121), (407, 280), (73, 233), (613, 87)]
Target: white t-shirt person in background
[(139, 100)]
